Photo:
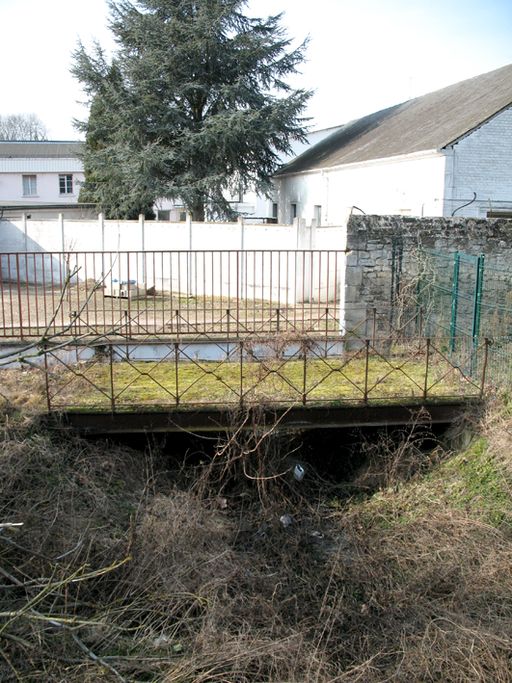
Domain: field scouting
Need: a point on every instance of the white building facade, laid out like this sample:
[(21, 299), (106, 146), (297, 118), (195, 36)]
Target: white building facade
[(40, 174), (407, 185), (443, 154)]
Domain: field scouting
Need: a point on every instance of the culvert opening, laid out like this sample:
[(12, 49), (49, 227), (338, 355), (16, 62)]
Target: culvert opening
[(345, 461)]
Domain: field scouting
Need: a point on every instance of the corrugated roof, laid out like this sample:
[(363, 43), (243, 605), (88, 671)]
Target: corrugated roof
[(432, 121), (47, 149)]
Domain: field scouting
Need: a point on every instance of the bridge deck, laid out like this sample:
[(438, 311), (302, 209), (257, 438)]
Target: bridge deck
[(148, 340), (292, 418)]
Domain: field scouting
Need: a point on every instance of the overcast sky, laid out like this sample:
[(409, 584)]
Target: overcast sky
[(364, 55)]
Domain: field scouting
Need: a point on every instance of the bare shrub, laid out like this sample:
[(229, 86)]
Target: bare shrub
[(398, 455), (123, 571), (255, 456)]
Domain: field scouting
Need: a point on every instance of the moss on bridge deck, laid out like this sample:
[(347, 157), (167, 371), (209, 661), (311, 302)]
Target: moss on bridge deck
[(153, 385)]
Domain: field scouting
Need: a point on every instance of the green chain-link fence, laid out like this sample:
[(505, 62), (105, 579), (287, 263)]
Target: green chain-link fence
[(468, 299)]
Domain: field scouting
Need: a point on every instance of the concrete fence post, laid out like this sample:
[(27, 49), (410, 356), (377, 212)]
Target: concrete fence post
[(143, 248), (241, 224), (296, 225), (312, 233), (62, 233), (101, 224), (25, 234), (142, 235), (188, 223), (303, 234)]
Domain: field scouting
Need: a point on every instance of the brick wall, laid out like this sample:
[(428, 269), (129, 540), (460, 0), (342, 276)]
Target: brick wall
[(482, 163)]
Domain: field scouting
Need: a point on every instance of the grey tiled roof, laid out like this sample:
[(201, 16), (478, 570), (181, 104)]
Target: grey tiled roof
[(39, 150), (432, 121)]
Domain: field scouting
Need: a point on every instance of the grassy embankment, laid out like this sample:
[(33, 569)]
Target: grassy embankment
[(131, 567)]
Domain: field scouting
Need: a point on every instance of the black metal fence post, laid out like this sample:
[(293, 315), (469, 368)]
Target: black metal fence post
[(46, 378), (304, 373), (455, 301), (241, 374), (112, 394), (177, 371)]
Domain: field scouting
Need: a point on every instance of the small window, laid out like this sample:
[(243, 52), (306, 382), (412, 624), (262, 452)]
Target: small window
[(237, 194), (274, 210), (293, 211), (163, 215), (29, 185), (499, 214), (66, 184), (318, 214)]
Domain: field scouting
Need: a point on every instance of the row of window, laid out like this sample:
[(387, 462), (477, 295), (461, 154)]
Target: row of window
[(30, 184), (317, 212)]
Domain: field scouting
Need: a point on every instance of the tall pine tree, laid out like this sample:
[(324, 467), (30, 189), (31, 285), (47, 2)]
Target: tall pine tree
[(194, 104)]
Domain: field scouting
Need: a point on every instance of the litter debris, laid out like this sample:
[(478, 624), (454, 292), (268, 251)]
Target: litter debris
[(286, 520), (122, 289), (161, 641), (316, 534), (298, 472)]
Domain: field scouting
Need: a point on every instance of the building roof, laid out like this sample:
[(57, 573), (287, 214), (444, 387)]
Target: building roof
[(30, 206), (29, 149), (432, 121)]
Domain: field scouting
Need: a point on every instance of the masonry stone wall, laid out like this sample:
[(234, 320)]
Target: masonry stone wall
[(384, 256)]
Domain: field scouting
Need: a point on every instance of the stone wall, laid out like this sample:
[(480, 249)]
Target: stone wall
[(385, 257)]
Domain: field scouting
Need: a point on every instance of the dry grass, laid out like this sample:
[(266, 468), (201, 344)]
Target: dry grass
[(139, 314), (190, 576)]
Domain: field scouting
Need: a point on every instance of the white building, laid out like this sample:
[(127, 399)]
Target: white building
[(40, 178), (448, 152)]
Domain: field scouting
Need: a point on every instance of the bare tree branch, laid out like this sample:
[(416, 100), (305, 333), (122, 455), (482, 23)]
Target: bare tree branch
[(22, 127)]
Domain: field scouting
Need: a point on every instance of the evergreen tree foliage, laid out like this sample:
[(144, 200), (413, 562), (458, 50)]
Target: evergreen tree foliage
[(193, 104)]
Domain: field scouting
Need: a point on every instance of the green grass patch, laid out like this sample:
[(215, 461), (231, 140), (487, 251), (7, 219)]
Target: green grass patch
[(472, 481)]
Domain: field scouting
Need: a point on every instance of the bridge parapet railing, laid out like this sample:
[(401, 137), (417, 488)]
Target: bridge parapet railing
[(296, 370), (172, 294)]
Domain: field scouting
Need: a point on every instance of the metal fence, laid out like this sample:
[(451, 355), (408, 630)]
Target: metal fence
[(469, 298), (451, 294), (303, 370), (113, 328), (135, 294)]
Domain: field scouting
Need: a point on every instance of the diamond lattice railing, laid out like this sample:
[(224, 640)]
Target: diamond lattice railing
[(286, 369)]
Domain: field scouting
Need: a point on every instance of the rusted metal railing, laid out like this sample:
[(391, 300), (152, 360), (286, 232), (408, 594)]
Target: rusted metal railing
[(136, 294), (299, 370)]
